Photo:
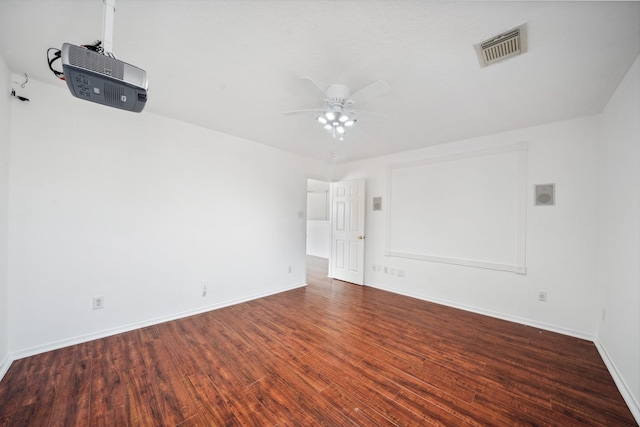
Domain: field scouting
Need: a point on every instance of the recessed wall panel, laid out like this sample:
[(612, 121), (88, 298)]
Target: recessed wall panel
[(340, 216), (353, 216), (466, 209), (353, 257), (339, 254)]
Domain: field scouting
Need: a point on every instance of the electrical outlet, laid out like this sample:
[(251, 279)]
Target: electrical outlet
[(386, 270), (542, 296), (98, 303)]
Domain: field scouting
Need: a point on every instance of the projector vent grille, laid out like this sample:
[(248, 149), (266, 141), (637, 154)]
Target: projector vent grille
[(114, 95), (505, 45), (96, 62)]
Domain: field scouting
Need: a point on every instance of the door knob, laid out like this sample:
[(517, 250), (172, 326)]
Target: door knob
[(360, 237)]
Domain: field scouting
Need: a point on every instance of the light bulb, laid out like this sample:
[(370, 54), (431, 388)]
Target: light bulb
[(321, 120), (340, 129), (327, 126), (350, 123), (343, 118), (330, 115)]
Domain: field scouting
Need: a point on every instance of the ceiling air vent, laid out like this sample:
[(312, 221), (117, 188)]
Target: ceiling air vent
[(512, 42)]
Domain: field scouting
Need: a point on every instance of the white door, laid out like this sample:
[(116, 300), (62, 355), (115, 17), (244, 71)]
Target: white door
[(347, 231)]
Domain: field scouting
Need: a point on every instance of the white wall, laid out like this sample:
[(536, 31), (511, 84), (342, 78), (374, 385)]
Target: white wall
[(5, 126), (618, 305), (140, 209), (560, 240), (319, 239)]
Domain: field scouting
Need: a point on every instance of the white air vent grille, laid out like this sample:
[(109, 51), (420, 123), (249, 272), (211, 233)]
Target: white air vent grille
[(505, 45)]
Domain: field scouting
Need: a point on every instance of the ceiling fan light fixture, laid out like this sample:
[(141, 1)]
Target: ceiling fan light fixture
[(334, 118)]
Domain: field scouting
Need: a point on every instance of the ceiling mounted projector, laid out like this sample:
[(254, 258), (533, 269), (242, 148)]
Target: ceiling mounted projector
[(103, 79), (93, 73)]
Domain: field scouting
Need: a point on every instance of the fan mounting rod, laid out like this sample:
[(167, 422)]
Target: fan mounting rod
[(337, 92)]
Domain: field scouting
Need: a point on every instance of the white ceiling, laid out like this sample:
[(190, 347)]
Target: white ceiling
[(232, 65)]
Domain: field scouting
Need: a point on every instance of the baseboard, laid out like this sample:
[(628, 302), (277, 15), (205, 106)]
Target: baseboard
[(32, 351), (497, 315), (629, 398), (5, 364)]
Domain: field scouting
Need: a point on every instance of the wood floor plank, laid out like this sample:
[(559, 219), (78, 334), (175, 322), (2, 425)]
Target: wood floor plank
[(328, 354), (316, 408), (212, 405), (437, 406), (377, 395), (141, 404), (226, 373), (72, 402), (286, 410), (432, 414), (361, 413), (39, 396)]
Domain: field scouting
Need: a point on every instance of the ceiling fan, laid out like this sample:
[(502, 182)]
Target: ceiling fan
[(336, 116)]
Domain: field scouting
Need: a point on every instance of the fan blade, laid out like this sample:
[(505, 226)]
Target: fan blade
[(370, 92), (315, 87), (310, 110)]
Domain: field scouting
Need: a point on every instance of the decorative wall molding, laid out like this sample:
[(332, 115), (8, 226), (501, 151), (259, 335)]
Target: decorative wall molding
[(520, 266)]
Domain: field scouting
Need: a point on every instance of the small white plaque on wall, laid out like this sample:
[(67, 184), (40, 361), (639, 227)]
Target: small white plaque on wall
[(377, 203), (545, 195)]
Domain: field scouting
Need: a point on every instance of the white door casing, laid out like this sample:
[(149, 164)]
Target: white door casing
[(347, 231)]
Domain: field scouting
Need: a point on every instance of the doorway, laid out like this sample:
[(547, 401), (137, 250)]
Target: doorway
[(318, 245), (335, 228)]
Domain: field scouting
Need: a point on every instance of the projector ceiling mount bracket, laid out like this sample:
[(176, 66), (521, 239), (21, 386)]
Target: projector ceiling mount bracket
[(107, 26)]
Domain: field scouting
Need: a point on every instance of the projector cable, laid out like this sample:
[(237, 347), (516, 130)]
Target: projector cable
[(96, 46), (57, 54)]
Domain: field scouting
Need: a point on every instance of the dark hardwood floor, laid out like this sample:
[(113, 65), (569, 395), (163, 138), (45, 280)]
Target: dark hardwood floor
[(330, 354)]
